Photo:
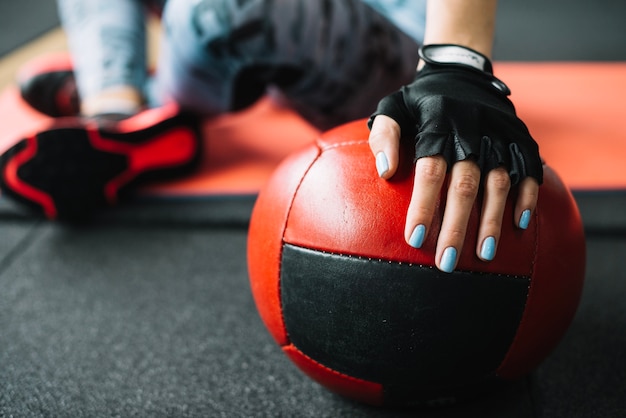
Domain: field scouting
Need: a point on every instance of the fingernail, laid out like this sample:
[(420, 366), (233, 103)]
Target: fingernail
[(417, 237), (524, 220), (448, 260), (488, 249), (382, 164)]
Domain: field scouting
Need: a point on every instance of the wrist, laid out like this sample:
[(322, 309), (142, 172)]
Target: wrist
[(460, 22)]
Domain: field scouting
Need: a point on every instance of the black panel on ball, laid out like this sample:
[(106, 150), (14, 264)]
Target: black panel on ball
[(399, 324)]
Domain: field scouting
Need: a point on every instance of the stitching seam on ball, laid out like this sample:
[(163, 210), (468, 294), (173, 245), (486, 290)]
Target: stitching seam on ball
[(341, 144), (284, 228), (328, 369), (382, 261)]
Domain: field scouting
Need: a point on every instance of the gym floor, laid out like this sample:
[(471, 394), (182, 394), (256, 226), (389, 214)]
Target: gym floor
[(147, 311)]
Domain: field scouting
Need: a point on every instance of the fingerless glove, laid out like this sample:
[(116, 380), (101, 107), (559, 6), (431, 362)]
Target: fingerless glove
[(459, 110)]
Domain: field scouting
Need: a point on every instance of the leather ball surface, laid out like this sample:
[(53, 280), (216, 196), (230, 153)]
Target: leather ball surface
[(371, 318)]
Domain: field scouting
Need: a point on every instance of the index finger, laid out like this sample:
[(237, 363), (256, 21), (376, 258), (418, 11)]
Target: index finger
[(430, 174)]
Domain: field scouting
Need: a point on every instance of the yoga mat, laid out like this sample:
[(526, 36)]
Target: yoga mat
[(574, 110)]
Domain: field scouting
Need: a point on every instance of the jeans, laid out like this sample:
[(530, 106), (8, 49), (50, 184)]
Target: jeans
[(332, 60)]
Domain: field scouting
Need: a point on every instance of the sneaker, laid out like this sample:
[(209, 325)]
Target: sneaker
[(77, 166), (48, 85)]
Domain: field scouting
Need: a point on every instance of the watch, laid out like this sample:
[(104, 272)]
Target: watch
[(449, 54), (455, 54)]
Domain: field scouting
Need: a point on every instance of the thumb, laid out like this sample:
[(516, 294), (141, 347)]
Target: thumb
[(384, 141)]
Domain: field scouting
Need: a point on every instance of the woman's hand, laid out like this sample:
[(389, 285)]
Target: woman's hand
[(461, 122)]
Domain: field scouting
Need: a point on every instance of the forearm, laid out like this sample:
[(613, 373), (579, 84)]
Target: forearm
[(469, 23)]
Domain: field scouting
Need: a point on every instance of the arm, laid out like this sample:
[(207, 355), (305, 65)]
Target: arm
[(468, 23), (461, 22)]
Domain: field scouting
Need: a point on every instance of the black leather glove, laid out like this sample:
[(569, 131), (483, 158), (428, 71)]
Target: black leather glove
[(456, 108)]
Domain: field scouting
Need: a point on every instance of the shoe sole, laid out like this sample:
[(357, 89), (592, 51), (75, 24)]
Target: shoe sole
[(73, 169)]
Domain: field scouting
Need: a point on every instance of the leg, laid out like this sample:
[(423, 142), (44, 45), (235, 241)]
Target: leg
[(71, 167), (108, 44), (332, 60)]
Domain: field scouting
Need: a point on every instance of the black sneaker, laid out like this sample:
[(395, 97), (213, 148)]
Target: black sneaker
[(77, 166), (48, 85)]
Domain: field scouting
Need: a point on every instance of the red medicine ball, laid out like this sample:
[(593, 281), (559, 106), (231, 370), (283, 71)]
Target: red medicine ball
[(373, 319)]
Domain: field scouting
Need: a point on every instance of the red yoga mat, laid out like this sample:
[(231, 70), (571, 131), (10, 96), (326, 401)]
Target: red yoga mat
[(575, 111)]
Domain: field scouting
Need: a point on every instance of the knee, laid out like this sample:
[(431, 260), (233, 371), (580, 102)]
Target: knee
[(195, 23), (209, 23)]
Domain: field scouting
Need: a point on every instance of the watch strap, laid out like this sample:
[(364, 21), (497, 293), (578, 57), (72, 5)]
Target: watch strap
[(456, 55)]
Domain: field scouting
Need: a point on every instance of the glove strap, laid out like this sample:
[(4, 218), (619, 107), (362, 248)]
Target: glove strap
[(456, 55)]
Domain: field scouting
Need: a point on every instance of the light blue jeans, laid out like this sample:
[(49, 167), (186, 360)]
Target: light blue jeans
[(332, 60)]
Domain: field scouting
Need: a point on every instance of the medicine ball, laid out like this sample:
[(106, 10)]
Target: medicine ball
[(373, 319)]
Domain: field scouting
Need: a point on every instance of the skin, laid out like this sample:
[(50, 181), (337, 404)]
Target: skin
[(110, 98), (468, 23)]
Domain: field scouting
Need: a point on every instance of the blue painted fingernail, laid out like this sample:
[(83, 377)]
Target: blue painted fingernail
[(488, 249), (417, 237), (448, 260), (524, 220), (382, 164)]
